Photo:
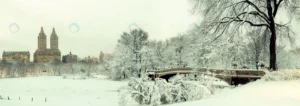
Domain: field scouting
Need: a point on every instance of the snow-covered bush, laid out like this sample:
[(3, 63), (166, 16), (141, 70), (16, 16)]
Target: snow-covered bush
[(282, 75), (207, 81), (186, 91), (166, 95), (162, 92), (138, 89)]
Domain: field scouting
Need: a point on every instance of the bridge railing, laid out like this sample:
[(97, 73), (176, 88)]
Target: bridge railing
[(223, 72), (168, 70), (229, 75), (236, 72)]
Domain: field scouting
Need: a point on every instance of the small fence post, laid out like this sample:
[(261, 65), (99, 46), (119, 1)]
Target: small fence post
[(45, 99), (19, 98), (8, 98), (0, 97), (32, 99)]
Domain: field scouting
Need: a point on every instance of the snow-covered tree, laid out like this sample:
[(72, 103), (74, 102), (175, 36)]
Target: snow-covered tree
[(134, 41), (153, 53), (122, 65), (234, 17)]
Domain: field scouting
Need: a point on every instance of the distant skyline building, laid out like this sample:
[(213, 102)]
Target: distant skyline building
[(16, 56), (104, 57), (43, 54), (101, 57), (69, 58), (92, 59)]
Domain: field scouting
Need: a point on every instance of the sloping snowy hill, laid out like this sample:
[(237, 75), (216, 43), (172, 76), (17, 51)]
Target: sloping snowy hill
[(261, 93)]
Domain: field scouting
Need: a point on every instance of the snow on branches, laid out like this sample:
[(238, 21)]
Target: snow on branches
[(161, 92)]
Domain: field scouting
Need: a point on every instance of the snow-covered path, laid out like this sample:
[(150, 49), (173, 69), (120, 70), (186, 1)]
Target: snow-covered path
[(279, 93), (59, 92)]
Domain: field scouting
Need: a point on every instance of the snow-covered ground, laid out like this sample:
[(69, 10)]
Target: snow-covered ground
[(260, 93), (103, 92), (59, 92)]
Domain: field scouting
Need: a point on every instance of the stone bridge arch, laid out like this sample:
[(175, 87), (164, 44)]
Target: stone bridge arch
[(228, 80), (231, 77)]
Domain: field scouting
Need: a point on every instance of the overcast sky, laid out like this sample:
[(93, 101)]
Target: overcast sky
[(100, 22)]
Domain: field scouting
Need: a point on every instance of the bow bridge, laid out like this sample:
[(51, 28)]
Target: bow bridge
[(232, 77)]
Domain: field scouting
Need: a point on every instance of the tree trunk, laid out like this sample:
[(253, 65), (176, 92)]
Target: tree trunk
[(272, 38), (273, 47), (124, 75)]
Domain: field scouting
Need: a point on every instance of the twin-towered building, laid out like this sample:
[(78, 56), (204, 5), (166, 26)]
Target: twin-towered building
[(41, 55), (44, 54)]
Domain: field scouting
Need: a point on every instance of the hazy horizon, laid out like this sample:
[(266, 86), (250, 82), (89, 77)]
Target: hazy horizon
[(100, 23)]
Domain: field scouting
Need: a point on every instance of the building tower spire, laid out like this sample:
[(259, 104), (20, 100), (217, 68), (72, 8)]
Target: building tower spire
[(42, 30), (42, 40), (53, 40), (53, 31), (101, 57)]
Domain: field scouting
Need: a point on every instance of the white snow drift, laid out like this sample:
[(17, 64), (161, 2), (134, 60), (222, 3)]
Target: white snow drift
[(279, 91)]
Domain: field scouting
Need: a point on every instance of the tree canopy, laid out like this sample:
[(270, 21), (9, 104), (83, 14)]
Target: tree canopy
[(235, 17)]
